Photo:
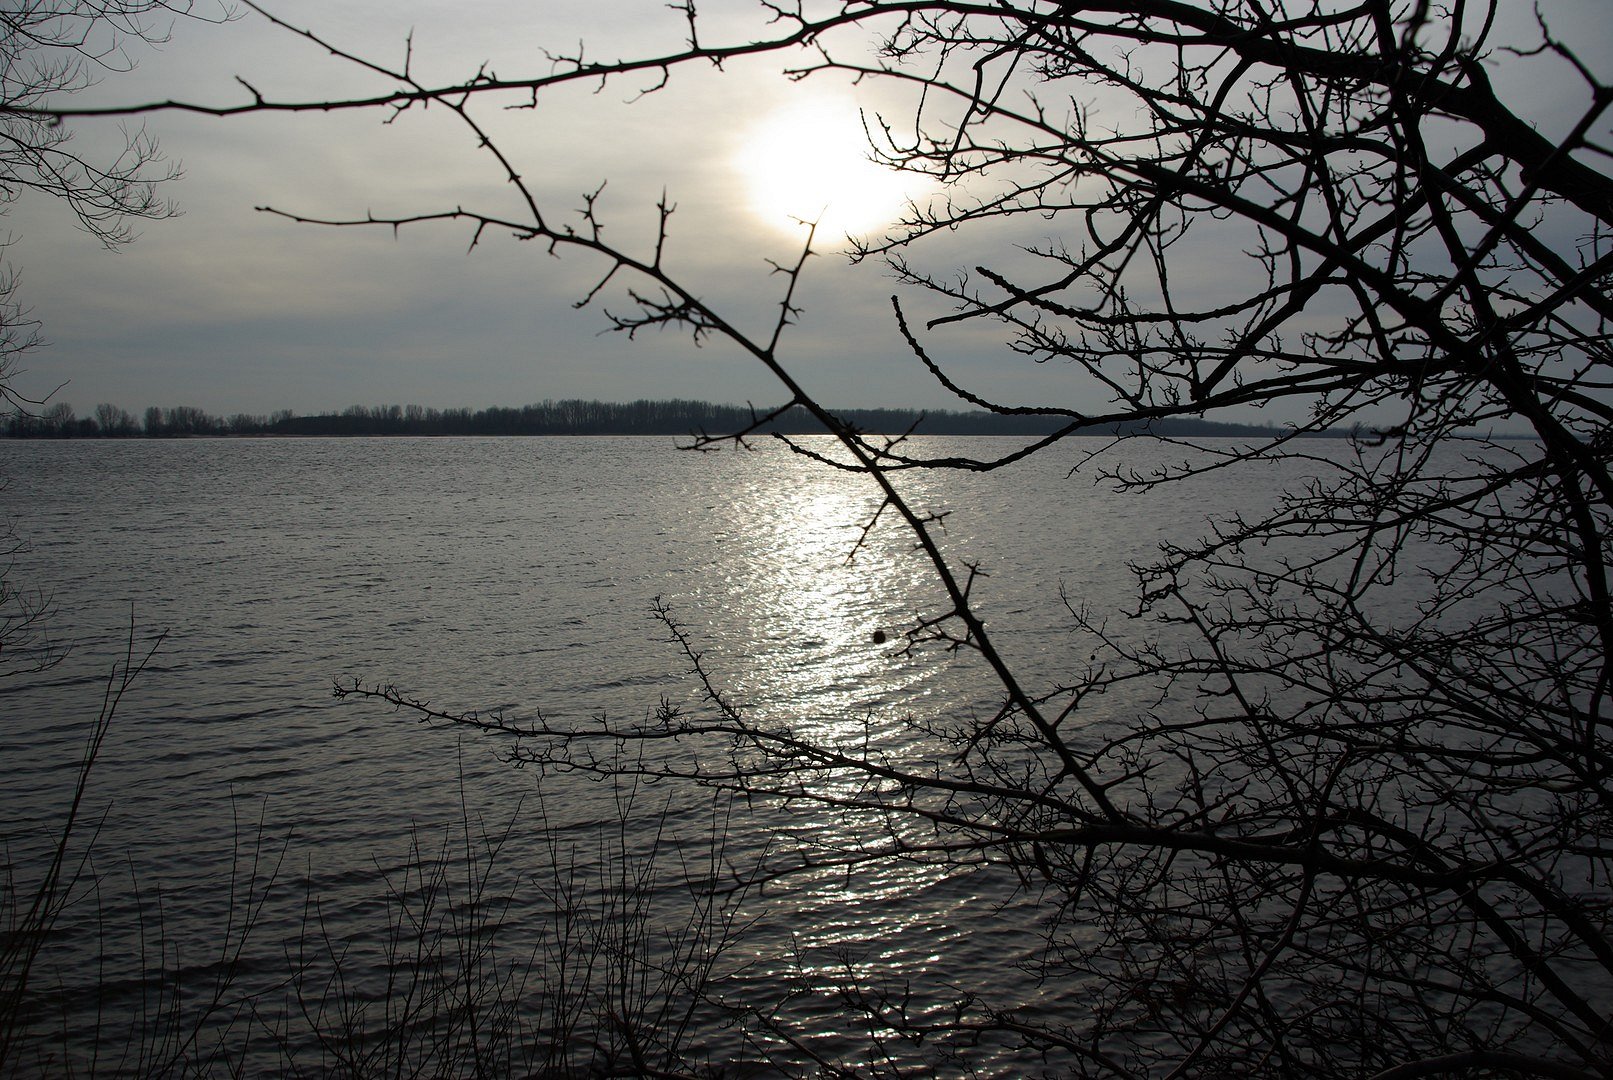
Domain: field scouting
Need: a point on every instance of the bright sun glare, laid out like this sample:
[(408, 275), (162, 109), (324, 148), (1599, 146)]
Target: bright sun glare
[(808, 161)]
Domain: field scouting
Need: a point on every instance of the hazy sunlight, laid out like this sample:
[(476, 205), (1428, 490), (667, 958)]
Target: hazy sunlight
[(808, 161)]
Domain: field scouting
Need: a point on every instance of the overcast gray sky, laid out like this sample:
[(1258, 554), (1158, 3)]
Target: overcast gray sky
[(234, 310)]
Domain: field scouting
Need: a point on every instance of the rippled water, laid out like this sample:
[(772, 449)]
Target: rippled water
[(512, 574)]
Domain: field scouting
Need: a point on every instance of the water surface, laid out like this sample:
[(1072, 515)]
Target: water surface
[(517, 575)]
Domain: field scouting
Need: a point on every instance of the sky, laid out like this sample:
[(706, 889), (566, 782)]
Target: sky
[(235, 310)]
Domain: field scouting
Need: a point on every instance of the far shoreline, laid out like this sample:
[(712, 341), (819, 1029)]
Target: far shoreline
[(677, 418)]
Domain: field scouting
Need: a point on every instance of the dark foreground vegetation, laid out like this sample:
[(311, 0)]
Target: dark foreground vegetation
[(568, 417), (442, 983)]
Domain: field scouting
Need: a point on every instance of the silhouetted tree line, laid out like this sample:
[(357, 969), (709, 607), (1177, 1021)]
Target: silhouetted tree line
[(569, 417)]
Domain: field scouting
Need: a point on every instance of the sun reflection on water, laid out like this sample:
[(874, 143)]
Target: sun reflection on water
[(815, 600), (815, 616)]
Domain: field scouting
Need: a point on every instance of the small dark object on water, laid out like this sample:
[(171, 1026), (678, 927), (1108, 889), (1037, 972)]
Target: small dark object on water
[(879, 637)]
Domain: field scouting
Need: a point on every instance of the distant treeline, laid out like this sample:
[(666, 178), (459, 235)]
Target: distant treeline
[(571, 417)]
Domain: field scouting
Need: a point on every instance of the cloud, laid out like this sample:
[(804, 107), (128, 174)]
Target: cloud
[(236, 310)]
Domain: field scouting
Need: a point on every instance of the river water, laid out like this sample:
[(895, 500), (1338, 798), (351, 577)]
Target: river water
[(515, 576)]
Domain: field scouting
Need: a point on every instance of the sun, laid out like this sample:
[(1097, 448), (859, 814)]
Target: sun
[(809, 161)]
